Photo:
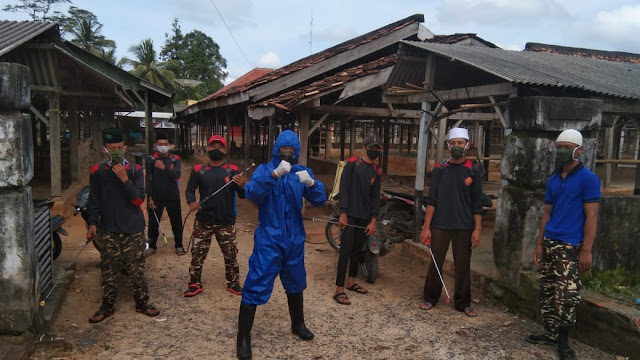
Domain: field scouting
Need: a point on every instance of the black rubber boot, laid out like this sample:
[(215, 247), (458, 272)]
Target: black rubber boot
[(296, 311), (245, 323), (564, 350)]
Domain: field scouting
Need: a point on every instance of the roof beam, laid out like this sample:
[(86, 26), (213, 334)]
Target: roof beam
[(466, 93), (341, 59), (615, 106), (366, 112)]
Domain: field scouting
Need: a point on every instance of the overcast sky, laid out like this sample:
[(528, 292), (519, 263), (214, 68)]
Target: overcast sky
[(273, 33)]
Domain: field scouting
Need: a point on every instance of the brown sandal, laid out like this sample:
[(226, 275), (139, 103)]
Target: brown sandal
[(148, 309), (100, 315)]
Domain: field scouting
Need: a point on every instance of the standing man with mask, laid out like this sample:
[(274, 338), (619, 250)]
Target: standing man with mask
[(115, 195), (278, 188), (163, 172), (563, 248), (453, 215), (359, 206), (216, 217)]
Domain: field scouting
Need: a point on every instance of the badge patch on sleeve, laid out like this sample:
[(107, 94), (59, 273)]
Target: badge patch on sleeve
[(468, 181)]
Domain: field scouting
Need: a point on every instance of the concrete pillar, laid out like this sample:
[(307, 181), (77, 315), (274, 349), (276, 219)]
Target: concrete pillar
[(19, 284), (527, 163)]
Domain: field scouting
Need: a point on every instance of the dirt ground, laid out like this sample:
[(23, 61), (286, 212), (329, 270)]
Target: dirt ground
[(387, 323)]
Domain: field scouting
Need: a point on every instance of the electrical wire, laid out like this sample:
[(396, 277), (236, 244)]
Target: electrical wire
[(233, 37)]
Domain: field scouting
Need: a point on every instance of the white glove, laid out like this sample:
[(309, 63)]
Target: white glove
[(305, 178), (283, 168)]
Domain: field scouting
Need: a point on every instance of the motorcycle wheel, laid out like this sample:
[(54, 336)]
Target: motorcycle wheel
[(57, 245), (333, 234), (398, 222), (369, 266)]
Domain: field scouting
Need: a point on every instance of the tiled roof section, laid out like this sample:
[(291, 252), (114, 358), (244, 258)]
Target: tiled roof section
[(332, 51), (585, 53), (337, 79), (239, 82), (16, 33), (458, 37), (617, 79)]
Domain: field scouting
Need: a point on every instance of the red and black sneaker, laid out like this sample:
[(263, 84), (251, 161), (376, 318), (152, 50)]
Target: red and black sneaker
[(193, 290), (235, 289)]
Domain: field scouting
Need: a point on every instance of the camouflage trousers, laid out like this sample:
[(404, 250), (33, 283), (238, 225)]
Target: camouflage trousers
[(559, 285), (226, 237), (127, 251)]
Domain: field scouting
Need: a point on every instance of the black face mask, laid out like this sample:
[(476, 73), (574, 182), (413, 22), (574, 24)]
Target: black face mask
[(373, 154), (287, 156), (215, 155)]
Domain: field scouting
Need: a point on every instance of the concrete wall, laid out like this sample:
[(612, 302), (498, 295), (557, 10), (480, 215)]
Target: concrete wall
[(19, 284), (618, 236)]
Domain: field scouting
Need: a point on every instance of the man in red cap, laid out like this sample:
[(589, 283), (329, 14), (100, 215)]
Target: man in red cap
[(216, 216)]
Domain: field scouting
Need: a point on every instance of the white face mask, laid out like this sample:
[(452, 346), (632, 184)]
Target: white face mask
[(163, 149)]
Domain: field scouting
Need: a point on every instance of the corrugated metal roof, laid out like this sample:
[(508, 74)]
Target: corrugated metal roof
[(618, 56), (16, 33), (615, 79)]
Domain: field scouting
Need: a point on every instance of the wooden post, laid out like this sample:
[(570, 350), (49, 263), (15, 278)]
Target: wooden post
[(442, 132), (228, 123), (54, 144), (305, 116), (271, 140), (352, 138), (400, 139), (343, 134), (421, 166), (409, 138), (608, 149), (74, 136), (385, 146), (247, 136), (148, 137)]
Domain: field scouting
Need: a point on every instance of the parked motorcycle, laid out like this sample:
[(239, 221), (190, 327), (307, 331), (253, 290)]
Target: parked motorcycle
[(55, 224)]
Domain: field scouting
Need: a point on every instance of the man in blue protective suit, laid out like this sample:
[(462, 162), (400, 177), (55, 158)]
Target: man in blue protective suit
[(277, 187)]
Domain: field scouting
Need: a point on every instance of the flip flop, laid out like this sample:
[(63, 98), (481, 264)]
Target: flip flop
[(426, 305), (470, 312), (342, 299), (357, 288)]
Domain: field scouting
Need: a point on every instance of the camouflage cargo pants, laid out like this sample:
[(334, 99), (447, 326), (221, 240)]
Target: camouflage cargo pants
[(559, 285), (226, 237), (127, 251)]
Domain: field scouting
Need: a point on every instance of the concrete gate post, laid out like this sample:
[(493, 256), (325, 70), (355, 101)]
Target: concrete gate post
[(527, 163), (18, 260)]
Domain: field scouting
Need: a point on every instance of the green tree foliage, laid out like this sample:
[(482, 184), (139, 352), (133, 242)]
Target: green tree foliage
[(36, 9), (146, 65), (195, 56), (84, 30)]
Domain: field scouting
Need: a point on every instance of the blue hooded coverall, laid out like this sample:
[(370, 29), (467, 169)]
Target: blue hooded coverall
[(279, 239)]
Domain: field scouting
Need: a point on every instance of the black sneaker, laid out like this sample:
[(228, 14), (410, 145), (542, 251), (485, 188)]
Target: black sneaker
[(193, 290), (235, 289), (541, 339)]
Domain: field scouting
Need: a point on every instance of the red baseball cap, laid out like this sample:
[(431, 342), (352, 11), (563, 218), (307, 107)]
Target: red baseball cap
[(219, 139)]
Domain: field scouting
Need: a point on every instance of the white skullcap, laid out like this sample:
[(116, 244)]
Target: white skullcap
[(572, 136), (458, 133)]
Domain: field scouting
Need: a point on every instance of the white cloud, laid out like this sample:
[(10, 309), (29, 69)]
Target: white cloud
[(611, 30), (500, 12), (622, 23), (269, 60)]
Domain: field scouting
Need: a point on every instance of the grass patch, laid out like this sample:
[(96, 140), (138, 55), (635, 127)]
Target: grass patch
[(619, 284)]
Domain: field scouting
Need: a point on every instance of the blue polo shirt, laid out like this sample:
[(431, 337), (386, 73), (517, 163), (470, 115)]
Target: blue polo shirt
[(567, 198)]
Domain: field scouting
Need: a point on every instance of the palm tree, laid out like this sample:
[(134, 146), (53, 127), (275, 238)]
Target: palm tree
[(86, 34), (147, 66)]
